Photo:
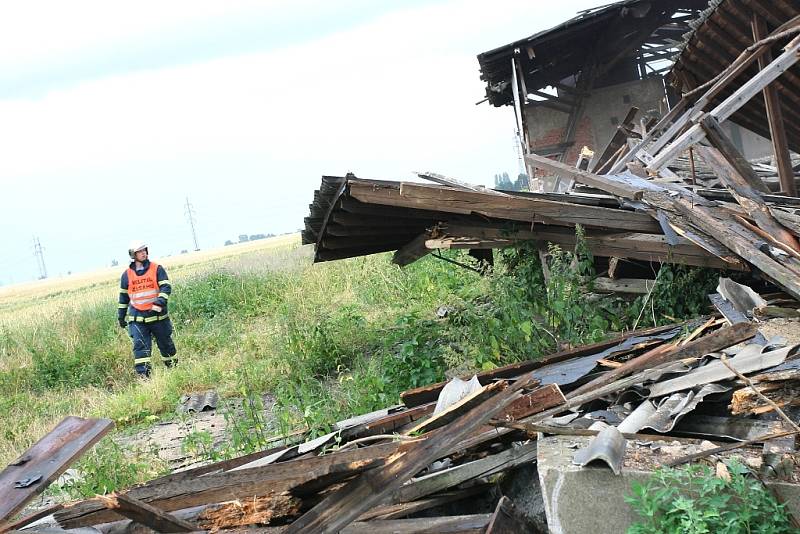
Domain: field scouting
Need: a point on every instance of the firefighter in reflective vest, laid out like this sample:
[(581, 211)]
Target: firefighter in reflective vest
[(143, 293)]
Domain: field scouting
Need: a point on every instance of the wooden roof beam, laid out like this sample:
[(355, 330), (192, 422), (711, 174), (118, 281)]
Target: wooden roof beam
[(733, 103), (777, 130)]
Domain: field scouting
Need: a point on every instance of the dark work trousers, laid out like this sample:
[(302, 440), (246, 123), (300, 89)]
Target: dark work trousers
[(142, 335)]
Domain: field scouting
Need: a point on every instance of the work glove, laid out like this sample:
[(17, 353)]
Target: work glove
[(122, 323)]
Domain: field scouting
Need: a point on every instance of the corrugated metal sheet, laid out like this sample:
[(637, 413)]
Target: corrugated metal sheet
[(199, 402), (608, 446)]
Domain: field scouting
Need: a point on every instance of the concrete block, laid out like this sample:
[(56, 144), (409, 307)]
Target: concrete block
[(580, 500)]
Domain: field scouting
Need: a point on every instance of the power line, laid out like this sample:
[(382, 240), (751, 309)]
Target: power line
[(38, 251), (190, 215)]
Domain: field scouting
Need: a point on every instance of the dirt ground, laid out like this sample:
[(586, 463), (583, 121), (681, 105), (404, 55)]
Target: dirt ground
[(168, 439), (787, 328)]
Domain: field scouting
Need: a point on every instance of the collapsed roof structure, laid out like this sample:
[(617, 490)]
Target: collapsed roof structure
[(568, 84), (706, 203)]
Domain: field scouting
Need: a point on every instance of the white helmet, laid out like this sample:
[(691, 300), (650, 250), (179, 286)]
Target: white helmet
[(135, 246)]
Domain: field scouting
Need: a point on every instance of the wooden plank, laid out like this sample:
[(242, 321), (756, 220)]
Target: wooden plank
[(506, 519), (18, 524), (458, 184), (456, 243), (716, 341), (632, 153), (717, 85), (748, 249), (456, 410), (615, 158), (461, 524), (746, 196), (145, 514), (539, 399), (412, 251), (428, 394), (244, 513), (396, 511), (519, 115), (718, 138), (465, 524), (513, 207), (41, 464), (218, 487), (777, 130), (730, 105), (647, 247), (615, 187), (345, 505), (616, 142), (788, 220), (452, 477), (635, 286), (389, 424)]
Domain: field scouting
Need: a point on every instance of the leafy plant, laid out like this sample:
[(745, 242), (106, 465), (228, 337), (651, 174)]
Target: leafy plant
[(199, 444), (680, 292), (692, 500), (109, 467), (247, 426)]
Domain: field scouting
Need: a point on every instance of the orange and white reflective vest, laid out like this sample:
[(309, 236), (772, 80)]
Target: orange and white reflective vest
[(143, 289)]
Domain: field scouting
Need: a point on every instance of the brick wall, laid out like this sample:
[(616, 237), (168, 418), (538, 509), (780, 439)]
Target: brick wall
[(583, 137)]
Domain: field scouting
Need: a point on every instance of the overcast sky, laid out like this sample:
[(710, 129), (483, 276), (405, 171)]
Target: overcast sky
[(112, 113)]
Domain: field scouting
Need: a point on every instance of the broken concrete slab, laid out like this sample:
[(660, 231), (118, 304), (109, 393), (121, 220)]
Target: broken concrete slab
[(592, 499)]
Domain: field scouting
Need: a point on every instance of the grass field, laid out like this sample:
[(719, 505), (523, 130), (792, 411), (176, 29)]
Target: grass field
[(249, 318), (328, 341)]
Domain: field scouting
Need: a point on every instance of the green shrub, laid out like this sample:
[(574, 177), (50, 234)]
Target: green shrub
[(109, 467), (691, 500), (680, 292)]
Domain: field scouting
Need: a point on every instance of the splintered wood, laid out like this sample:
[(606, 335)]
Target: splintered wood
[(257, 510), (477, 436)]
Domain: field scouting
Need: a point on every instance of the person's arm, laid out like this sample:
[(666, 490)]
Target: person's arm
[(164, 289), (124, 299)]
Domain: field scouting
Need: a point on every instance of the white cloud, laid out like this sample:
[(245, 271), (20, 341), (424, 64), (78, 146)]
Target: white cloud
[(391, 96), (406, 84)]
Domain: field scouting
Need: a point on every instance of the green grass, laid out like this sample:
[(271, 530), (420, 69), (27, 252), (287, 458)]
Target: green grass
[(329, 340), (693, 500)]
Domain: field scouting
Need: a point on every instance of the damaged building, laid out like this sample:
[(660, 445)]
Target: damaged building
[(575, 85)]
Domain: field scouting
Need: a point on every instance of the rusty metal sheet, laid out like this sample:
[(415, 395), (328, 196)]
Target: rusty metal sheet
[(40, 465)]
